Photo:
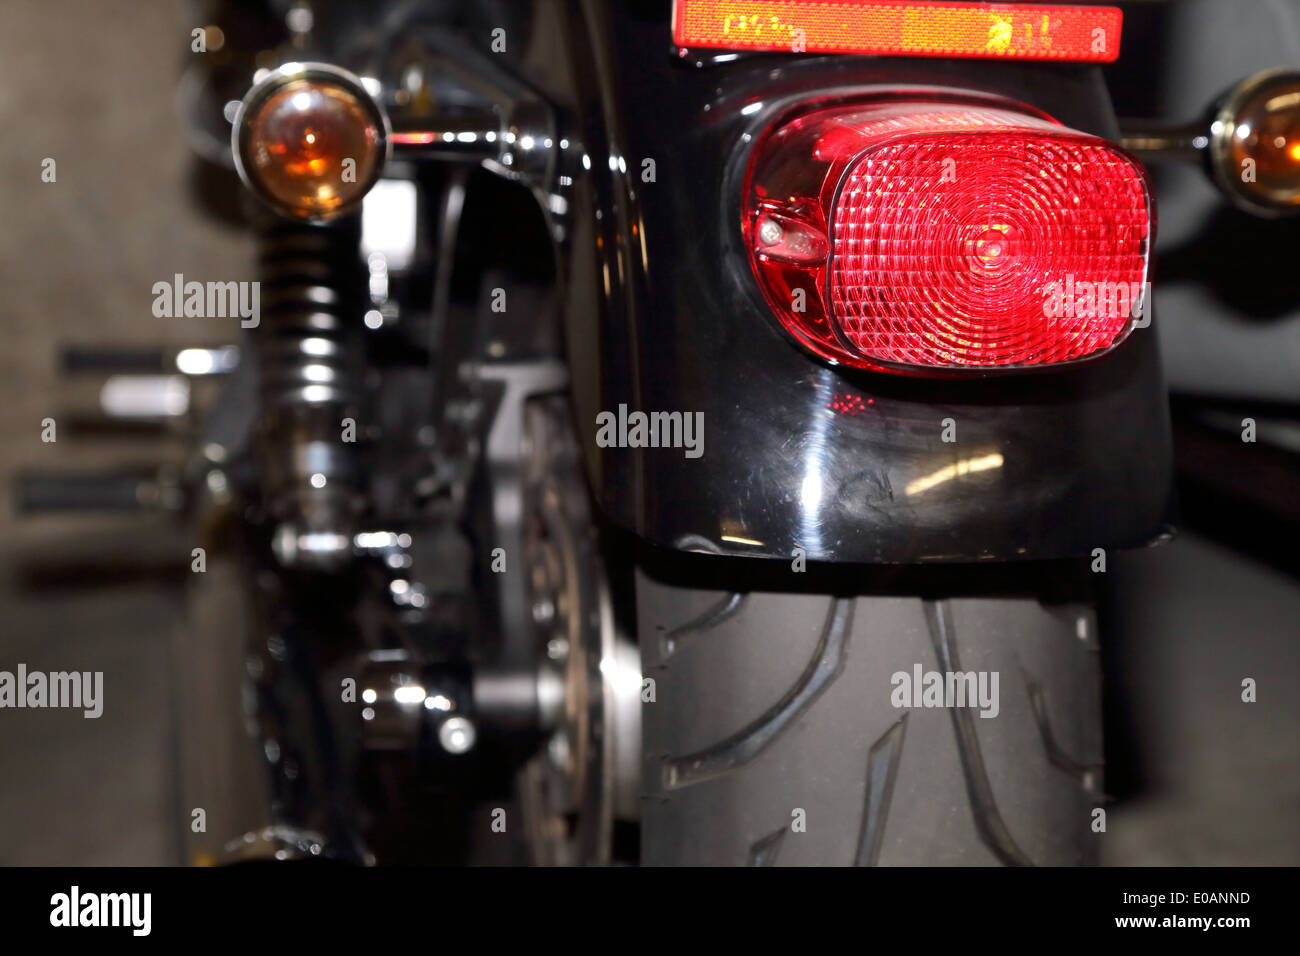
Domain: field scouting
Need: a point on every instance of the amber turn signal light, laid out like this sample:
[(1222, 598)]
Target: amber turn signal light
[(310, 140), (1255, 143)]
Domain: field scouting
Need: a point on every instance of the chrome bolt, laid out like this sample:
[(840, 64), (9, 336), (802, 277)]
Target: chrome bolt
[(558, 750), (543, 611), (557, 648), (550, 696), (456, 735), (770, 232)]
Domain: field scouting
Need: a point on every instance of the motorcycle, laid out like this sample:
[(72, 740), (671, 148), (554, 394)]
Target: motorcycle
[(669, 432)]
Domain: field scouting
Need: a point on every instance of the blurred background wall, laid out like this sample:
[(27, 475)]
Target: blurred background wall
[(91, 84)]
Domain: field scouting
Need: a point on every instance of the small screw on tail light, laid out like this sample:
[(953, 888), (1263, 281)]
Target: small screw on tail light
[(931, 236), (310, 140)]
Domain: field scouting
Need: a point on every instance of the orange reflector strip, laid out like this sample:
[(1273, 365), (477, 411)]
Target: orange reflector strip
[(1020, 31)]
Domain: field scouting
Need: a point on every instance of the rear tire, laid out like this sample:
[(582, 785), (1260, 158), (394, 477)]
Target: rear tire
[(772, 738)]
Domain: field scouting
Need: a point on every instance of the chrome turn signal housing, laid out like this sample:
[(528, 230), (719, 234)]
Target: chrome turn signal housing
[(310, 140), (1254, 143)]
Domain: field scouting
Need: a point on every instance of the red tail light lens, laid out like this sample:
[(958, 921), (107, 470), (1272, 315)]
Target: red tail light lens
[(947, 235)]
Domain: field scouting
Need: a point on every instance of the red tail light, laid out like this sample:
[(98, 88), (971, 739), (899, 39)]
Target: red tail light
[(946, 235)]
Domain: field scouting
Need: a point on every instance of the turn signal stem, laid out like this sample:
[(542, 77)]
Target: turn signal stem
[(311, 139), (1249, 142)]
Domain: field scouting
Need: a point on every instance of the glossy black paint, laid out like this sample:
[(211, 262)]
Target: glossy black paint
[(662, 314)]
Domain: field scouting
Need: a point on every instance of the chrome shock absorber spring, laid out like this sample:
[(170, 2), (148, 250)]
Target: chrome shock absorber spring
[(311, 388)]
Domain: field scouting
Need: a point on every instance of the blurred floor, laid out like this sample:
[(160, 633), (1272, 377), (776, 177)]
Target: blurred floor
[(1220, 777), (89, 791), (91, 84)]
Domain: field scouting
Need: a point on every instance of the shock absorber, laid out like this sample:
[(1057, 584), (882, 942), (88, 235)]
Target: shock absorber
[(307, 351)]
